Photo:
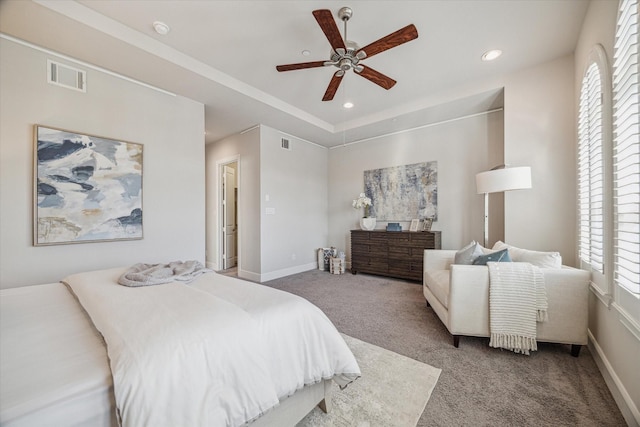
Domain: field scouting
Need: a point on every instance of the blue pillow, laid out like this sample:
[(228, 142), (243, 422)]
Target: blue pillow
[(499, 256)]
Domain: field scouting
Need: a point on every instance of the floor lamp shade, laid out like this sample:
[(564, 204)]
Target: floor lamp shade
[(497, 180)]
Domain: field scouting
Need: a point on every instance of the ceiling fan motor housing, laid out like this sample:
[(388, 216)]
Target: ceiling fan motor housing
[(346, 60)]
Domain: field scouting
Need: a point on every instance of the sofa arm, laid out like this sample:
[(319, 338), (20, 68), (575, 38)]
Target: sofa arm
[(469, 300), (438, 259), (568, 299)]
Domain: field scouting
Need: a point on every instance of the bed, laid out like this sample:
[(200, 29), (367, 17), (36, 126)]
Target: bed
[(218, 351)]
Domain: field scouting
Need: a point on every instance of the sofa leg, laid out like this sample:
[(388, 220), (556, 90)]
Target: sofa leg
[(575, 350), (456, 341), (428, 305)]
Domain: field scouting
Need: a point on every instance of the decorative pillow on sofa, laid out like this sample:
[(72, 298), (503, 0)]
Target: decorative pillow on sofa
[(498, 256), (468, 254), (539, 259)]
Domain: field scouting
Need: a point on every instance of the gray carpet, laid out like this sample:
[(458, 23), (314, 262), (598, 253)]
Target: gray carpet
[(392, 391), (479, 385)]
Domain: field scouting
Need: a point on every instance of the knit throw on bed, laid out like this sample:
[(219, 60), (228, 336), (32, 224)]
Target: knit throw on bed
[(517, 300), (157, 274)]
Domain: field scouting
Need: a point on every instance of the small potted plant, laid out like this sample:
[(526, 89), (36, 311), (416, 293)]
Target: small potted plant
[(366, 222)]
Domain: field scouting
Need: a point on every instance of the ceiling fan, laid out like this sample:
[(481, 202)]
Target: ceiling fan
[(346, 55)]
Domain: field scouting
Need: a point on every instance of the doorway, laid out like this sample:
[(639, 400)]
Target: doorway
[(229, 227)]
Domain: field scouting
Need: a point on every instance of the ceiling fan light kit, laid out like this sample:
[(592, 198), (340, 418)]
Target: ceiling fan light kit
[(346, 55)]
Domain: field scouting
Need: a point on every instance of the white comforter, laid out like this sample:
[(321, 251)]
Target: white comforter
[(200, 354)]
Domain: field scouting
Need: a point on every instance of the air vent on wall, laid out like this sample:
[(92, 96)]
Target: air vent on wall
[(66, 76), (285, 144)]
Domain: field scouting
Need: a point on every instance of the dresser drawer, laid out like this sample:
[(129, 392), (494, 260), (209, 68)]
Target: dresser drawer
[(406, 252), (394, 254), (370, 267), (423, 239), (398, 238), (368, 248), (406, 270), (368, 237)]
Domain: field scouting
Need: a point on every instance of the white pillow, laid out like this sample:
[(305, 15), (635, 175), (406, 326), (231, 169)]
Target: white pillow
[(468, 254), (539, 259)]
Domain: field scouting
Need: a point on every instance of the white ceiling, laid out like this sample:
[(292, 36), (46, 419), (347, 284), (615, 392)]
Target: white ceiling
[(224, 53)]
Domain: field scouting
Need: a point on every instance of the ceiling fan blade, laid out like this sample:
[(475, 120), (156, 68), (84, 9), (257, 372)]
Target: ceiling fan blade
[(376, 77), (300, 66), (329, 28), (333, 86), (397, 38)]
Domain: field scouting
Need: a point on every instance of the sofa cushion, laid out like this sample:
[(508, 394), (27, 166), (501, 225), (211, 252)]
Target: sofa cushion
[(438, 283), (468, 254), (537, 258), (497, 256)]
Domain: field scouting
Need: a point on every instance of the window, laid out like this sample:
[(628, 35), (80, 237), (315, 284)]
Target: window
[(626, 162), (590, 173), (593, 141)]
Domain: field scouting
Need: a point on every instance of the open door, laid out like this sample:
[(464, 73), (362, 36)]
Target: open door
[(229, 217)]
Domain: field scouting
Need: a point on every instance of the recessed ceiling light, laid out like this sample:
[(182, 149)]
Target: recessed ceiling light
[(491, 55), (348, 104), (306, 52), (161, 28)]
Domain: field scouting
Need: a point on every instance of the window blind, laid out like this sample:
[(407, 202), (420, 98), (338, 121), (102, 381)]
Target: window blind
[(591, 171), (626, 158)]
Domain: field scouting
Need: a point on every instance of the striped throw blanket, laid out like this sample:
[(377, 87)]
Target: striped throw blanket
[(517, 300)]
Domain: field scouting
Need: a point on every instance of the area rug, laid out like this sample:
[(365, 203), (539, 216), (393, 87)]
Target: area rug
[(393, 391)]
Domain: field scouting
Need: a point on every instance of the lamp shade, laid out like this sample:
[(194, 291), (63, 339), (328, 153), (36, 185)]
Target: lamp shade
[(498, 180)]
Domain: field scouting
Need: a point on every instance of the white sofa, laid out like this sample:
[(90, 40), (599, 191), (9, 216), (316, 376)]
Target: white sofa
[(459, 294)]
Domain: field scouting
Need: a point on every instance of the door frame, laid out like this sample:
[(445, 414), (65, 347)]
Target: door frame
[(220, 164)]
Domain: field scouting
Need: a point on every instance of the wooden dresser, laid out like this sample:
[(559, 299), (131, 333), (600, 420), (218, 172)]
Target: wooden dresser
[(391, 253)]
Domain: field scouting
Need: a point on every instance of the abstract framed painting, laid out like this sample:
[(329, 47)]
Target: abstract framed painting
[(87, 188), (402, 193)]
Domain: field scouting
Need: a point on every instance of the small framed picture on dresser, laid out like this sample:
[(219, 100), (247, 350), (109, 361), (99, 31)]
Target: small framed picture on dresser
[(415, 223), (426, 226)]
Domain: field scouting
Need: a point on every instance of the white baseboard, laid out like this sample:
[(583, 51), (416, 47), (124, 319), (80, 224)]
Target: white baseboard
[(620, 395), (212, 265), (288, 271), (249, 275), (259, 278)]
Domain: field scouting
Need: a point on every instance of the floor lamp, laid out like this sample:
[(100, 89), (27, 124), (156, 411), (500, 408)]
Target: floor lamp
[(497, 180)]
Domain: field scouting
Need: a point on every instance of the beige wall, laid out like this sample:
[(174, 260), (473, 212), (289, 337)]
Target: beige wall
[(539, 131), (294, 182), (171, 129), (615, 348), (245, 149), (462, 148)]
